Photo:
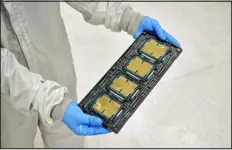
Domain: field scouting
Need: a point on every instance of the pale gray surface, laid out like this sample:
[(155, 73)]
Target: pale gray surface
[(191, 106)]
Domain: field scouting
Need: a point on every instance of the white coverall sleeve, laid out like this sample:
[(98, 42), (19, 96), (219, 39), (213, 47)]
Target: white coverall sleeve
[(26, 90), (114, 15)]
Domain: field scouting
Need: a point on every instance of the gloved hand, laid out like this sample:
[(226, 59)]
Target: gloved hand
[(81, 123), (153, 26)]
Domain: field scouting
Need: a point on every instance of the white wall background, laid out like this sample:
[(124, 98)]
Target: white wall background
[(191, 106)]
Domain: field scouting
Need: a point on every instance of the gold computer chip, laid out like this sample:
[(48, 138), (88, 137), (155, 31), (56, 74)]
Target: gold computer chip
[(154, 49), (106, 106), (123, 86), (139, 67)]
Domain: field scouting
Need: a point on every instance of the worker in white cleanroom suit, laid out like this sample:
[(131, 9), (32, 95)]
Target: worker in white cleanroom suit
[(38, 81)]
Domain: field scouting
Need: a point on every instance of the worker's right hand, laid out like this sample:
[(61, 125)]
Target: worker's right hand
[(81, 123)]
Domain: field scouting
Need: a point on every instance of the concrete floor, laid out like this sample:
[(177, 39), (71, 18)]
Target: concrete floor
[(191, 106)]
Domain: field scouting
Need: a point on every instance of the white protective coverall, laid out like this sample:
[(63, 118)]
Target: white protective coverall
[(37, 72)]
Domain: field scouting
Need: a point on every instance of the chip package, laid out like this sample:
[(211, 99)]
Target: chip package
[(129, 81)]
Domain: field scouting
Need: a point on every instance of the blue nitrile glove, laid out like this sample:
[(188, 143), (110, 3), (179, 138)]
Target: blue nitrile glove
[(81, 123), (153, 26)]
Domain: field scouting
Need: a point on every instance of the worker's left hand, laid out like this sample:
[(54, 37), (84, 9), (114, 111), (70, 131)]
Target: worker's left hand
[(81, 123), (153, 26)]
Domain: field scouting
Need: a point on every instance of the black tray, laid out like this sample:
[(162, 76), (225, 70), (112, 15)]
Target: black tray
[(144, 85)]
